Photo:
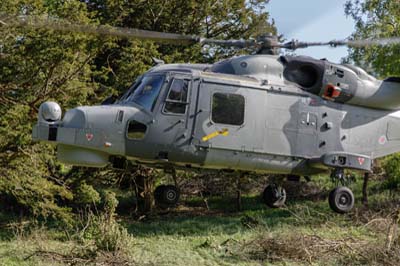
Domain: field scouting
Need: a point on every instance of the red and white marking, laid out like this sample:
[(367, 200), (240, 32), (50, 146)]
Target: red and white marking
[(382, 140), (89, 136)]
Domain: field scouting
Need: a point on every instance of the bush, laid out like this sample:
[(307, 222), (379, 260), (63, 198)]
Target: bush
[(28, 187), (391, 165), (108, 234), (87, 195), (104, 231)]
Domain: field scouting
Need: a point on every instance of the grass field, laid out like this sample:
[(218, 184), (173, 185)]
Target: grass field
[(302, 233)]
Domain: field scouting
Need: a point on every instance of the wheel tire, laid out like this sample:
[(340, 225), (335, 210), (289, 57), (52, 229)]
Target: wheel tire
[(341, 200), (158, 193), (166, 195), (274, 196)]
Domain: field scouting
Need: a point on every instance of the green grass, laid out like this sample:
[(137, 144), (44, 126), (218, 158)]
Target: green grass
[(192, 235)]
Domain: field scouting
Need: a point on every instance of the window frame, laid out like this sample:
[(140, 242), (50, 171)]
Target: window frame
[(228, 93), (166, 100)]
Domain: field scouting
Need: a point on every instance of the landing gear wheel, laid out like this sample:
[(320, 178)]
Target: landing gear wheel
[(274, 196), (166, 196), (341, 200)]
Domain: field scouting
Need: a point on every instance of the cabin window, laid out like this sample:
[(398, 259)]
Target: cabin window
[(228, 109), (136, 130), (176, 101)]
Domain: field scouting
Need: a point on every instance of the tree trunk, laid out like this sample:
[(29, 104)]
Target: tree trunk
[(144, 195), (365, 190), (239, 193)]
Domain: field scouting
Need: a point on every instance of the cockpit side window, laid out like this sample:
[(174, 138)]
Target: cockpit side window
[(177, 97), (146, 91)]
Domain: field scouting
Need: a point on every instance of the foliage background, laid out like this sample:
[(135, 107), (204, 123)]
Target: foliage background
[(376, 19), (77, 69)]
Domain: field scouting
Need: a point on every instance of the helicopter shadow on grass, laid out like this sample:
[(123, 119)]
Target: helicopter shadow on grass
[(220, 219)]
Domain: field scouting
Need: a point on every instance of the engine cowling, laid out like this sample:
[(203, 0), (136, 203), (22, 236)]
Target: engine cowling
[(342, 83)]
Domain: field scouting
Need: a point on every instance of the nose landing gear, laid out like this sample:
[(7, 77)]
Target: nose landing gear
[(341, 198)]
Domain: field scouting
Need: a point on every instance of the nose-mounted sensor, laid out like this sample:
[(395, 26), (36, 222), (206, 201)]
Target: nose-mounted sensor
[(50, 112)]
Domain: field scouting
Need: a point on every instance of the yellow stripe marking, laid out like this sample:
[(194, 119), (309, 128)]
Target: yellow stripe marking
[(223, 132)]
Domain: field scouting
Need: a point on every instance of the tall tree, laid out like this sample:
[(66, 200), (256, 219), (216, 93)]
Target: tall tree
[(39, 65), (225, 19), (376, 19)]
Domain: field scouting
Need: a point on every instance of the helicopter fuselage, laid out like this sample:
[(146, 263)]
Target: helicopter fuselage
[(194, 117)]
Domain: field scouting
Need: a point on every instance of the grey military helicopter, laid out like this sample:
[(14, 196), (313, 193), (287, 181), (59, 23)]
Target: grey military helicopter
[(260, 113)]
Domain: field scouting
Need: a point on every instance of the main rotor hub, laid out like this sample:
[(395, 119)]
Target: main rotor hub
[(269, 44)]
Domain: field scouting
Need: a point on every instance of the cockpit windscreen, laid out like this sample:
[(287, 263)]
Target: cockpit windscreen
[(144, 92)]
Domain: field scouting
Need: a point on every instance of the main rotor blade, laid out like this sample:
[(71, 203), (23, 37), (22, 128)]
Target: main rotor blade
[(231, 43), (293, 45), (370, 42), (36, 22), (65, 26)]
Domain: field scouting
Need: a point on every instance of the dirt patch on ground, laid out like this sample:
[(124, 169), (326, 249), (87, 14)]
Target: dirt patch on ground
[(312, 248), (382, 247)]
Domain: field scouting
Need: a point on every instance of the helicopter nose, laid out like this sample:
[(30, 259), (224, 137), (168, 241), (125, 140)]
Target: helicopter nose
[(100, 117), (93, 127), (75, 118), (98, 127)]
